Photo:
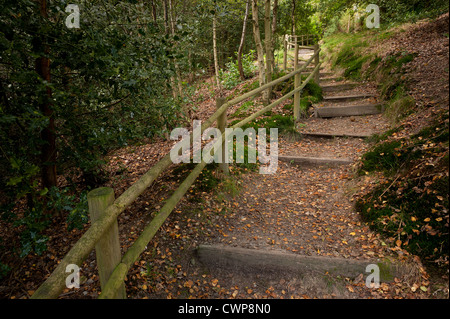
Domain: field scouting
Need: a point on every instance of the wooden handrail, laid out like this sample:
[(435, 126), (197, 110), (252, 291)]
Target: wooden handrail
[(303, 47)]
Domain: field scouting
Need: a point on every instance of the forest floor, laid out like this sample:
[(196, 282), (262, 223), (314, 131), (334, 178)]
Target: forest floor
[(304, 210)]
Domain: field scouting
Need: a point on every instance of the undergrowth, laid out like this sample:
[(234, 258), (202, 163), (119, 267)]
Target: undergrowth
[(411, 205)]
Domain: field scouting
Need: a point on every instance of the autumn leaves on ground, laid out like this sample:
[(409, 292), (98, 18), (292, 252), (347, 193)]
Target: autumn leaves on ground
[(305, 210)]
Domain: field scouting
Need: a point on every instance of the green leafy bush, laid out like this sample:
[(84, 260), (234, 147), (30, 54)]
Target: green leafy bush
[(4, 270), (38, 215), (231, 77)]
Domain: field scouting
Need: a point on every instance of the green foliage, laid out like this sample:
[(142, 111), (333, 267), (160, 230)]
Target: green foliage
[(4, 270), (242, 111), (103, 96), (393, 12), (347, 52), (400, 107), (307, 18), (206, 181), (411, 216), (386, 157), (38, 216), (313, 91), (246, 165), (102, 81), (391, 68), (277, 121), (391, 155), (335, 15), (377, 138), (67, 204), (311, 94)]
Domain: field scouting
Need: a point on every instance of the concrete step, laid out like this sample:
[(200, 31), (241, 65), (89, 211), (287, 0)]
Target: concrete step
[(347, 98), (338, 87), (311, 67), (330, 79), (317, 161), (331, 136), (357, 110), (243, 260)]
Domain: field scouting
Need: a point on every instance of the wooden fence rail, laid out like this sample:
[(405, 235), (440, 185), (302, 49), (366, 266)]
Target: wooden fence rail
[(113, 269), (303, 40)]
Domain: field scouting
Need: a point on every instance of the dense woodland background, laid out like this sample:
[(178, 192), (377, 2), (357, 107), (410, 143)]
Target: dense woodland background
[(127, 76)]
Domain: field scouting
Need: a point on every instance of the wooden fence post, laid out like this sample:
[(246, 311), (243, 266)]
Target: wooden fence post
[(107, 249), (297, 82), (222, 122), (317, 62)]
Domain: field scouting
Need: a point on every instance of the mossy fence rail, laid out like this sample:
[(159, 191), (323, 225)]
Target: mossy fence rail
[(104, 208)]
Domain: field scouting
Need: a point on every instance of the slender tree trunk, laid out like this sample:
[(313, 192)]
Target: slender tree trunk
[(48, 150), (274, 28), (154, 12), (166, 16), (268, 44), (216, 59), (167, 31), (259, 47), (293, 17), (241, 45), (172, 17)]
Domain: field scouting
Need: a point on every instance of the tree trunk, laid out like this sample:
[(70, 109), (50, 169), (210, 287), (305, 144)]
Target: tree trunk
[(241, 46), (166, 16), (269, 46), (274, 28), (259, 47), (172, 17), (48, 150), (216, 59), (155, 17), (293, 17), (167, 32)]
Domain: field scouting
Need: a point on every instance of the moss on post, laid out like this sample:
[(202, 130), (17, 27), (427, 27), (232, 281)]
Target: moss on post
[(107, 249)]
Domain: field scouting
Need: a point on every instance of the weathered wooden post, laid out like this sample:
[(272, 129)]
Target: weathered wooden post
[(297, 82), (107, 249), (317, 62), (222, 122)]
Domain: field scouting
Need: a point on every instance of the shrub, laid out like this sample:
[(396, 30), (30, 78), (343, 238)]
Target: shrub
[(231, 78), (37, 217)]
